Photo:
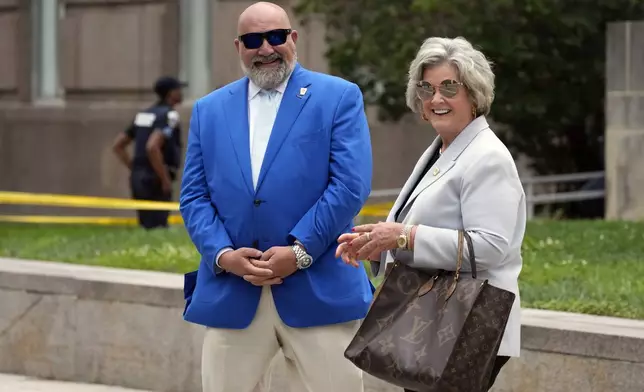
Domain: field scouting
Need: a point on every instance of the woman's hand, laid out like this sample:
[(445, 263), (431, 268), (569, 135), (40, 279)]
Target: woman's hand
[(345, 251), (368, 240)]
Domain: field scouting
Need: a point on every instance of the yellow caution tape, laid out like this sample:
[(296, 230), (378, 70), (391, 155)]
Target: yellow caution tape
[(97, 220), (45, 199), (381, 209), (93, 220)]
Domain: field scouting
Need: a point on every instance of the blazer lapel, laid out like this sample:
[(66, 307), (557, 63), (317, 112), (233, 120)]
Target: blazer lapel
[(413, 178), (443, 165), (295, 97), (236, 112), (448, 158)]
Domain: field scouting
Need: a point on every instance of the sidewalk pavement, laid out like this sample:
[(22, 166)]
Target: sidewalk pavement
[(18, 383)]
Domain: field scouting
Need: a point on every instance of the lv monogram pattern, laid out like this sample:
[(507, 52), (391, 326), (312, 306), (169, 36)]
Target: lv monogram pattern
[(430, 340)]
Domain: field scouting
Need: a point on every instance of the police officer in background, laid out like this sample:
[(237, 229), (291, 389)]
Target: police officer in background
[(157, 150)]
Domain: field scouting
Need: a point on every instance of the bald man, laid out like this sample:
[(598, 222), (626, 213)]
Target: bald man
[(277, 166)]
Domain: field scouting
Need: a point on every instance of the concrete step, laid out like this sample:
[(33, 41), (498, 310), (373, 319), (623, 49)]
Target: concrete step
[(19, 383)]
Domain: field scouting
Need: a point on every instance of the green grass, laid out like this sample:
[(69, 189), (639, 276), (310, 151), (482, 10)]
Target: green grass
[(113, 246), (594, 267)]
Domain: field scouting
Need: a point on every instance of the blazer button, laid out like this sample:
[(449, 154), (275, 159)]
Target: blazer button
[(255, 244), (257, 203)]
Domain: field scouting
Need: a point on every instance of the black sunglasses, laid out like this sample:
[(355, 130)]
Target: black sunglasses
[(448, 88), (273, 37)]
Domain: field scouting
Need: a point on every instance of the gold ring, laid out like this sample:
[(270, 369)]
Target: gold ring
[(368, 237)]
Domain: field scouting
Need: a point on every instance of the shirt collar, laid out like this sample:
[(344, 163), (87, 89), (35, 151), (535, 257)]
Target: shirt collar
[(253, 89)]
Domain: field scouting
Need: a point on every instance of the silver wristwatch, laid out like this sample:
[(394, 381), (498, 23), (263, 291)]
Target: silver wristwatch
[(303, 259)]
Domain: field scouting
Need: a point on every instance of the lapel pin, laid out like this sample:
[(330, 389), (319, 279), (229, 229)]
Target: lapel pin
[(436, 170), (302, 92)]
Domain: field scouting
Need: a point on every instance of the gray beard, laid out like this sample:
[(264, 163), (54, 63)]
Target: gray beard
[(270, 78)]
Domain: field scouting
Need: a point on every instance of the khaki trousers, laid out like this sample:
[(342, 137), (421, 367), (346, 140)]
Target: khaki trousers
[(238, 360)]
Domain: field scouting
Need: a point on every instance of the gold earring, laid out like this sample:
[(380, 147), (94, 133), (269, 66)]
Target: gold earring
[(473, 111)]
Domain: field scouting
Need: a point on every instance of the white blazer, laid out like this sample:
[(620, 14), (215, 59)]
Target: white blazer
[(474, 185)]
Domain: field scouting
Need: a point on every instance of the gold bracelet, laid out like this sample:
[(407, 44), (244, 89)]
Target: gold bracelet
[(407, 234)]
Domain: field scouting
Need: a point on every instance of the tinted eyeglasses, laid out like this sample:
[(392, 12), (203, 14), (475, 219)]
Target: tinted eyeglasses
[(273, 37), (448, 88)]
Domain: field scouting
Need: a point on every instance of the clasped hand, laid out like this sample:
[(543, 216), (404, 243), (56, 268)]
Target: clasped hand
[(258, 268), (368, 241)]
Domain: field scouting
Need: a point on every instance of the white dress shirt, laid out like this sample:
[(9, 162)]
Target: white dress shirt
[(262, 111)]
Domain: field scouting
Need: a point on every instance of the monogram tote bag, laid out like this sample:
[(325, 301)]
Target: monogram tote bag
[(433, 332)]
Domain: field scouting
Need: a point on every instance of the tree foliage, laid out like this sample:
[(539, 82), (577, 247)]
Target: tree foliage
[(548, 57)]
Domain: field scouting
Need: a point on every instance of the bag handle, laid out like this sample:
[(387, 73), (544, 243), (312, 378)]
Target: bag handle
[(459, 255), (462, 235), (470, 248)]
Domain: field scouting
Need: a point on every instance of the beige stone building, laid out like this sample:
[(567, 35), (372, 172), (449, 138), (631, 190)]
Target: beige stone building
[(73, 73)]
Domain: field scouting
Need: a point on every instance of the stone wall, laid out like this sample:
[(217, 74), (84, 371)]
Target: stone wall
[(625, 120), (124, 327)]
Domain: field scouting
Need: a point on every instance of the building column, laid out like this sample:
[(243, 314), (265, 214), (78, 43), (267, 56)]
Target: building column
[(46, 76), (624, 135), (195, 47)]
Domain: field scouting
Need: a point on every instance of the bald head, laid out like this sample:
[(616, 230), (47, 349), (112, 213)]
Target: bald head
[(266, 44), (262, 16)]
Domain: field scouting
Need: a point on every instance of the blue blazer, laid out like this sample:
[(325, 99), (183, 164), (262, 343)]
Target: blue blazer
[(315, 178)]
